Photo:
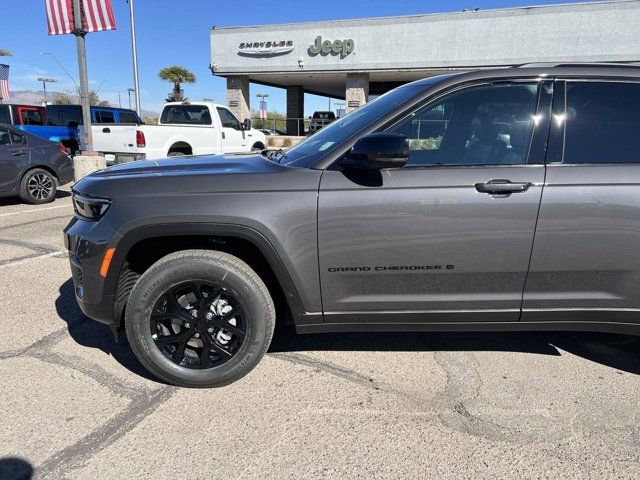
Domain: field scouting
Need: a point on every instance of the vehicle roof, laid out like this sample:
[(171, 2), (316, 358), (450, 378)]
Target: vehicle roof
[(564, 70), (94, 106), (209, 104)]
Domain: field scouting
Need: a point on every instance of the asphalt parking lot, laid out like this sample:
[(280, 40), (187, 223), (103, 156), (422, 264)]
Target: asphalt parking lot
[(76, 405)]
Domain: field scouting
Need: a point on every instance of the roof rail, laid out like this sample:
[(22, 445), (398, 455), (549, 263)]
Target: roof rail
[(577, 64)]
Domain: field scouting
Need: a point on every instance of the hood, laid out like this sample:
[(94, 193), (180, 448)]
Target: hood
[(192, 165)]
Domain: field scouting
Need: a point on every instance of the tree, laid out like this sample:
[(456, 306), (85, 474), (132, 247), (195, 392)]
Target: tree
[(63, 98), (177, 75)]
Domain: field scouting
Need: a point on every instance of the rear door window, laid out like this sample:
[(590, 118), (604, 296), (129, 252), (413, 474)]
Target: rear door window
[(128, 117), (602, 122), (105, 116), (5, 138), (18, 138), (64, 115), (186, 114)]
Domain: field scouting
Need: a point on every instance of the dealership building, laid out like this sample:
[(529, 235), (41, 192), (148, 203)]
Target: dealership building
[(353, 59)]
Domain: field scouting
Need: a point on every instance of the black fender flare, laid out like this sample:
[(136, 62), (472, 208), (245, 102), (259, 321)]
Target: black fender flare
[(127, 240)]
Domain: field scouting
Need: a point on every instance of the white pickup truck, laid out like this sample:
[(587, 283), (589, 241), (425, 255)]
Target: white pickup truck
[(184, 128)]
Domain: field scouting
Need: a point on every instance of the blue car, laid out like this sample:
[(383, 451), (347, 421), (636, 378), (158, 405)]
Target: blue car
[(59, 123)]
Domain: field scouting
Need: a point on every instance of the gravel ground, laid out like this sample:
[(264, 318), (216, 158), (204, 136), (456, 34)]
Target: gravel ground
[(76, 405)]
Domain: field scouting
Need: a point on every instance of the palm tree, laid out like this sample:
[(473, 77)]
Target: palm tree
[(176, 74)]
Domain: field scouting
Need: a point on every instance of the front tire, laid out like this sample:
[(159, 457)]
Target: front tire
[(38, 186), (200, 318)]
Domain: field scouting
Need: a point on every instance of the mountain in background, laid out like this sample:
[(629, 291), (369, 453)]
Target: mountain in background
[(35, 97)]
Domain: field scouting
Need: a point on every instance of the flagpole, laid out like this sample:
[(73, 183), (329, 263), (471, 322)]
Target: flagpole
[(134, 49), (79, 32)]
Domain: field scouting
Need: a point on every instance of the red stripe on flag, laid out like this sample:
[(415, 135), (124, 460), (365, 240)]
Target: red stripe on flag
[(59, 17), (98, 15)]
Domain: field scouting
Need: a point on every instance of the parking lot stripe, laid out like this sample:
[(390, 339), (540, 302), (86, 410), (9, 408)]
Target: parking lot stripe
[(35, 210), (31, 259)]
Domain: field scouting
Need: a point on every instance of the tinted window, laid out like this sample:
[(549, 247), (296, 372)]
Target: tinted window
[(129, 117), (227, 118), (312, 148), (18, 138), (5, 139), (484, 125), (64, 115), (602, 122), (186, 114), (105, 116), (4, 114), (30, 117)]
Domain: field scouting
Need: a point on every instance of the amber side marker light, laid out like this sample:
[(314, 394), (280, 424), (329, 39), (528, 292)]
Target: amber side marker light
[(106, 261)]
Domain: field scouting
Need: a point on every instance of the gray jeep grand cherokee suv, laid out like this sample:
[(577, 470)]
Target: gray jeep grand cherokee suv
[(494, 200)]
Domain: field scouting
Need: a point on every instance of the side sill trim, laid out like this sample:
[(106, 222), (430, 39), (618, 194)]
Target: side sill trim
[(582, 326)]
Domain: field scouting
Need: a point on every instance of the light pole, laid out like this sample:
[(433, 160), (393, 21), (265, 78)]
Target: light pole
[(134, 50), (129, 90), (44, 86), (62, 67)]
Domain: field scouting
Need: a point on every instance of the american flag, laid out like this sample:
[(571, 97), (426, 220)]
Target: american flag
[(4, 82), (97, 15)]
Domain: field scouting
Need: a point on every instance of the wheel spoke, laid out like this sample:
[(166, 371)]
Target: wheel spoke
[(233, 329), (162, 340), (223, 351), (181, 345), (205, 354)]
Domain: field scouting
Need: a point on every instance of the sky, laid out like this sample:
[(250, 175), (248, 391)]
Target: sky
[(177, 32)]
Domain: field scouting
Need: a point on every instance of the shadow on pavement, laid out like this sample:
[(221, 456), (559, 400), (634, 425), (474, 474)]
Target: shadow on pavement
[(5, 201), (92, 334), (13, 468), (621, 352)]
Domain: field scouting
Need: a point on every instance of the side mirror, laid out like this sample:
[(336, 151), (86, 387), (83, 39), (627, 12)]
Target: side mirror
[(246, 125), (377, 151)]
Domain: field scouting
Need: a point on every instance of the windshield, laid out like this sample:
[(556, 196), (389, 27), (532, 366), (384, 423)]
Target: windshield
[(308, 151)]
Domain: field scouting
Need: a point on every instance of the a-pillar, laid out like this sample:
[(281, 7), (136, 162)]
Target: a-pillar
[(238, 98), (295, 111), (357, 92)]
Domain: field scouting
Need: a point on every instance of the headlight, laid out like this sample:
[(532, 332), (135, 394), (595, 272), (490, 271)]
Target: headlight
[(90, 208)]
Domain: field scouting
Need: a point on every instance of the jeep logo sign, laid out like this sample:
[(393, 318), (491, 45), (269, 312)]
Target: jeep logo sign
[(326, 47)]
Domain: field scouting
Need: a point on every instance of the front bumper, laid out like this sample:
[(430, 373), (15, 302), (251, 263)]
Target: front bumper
[(86, 246)]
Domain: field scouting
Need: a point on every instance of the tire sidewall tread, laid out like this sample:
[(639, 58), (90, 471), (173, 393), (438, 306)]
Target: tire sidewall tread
[(213, 266)]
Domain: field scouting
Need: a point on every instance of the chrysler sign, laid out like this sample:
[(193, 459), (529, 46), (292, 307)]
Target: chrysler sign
[(265, 49)]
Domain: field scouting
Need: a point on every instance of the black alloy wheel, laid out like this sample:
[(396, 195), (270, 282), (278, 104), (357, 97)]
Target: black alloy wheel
[(198, 324)]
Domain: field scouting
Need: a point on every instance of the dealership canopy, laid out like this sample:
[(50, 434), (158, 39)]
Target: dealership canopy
[(352, 59)]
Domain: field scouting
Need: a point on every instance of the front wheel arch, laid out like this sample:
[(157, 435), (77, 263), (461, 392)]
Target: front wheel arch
[(121, 273)]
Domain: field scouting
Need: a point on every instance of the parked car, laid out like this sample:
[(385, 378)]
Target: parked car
[(59, 123), (31, 167), (319, 120), (494, 200), (272, 132), (184, 128)]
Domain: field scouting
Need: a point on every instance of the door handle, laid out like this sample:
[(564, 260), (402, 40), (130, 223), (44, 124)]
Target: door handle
[(16, 153), (106, 130), (502, 187)]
